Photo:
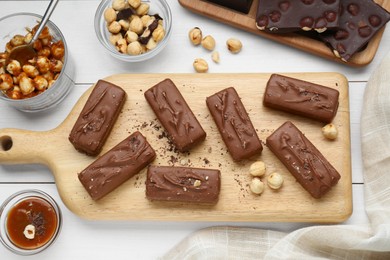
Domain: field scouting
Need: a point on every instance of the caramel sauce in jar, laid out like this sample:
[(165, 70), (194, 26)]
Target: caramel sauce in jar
[(36, 212)]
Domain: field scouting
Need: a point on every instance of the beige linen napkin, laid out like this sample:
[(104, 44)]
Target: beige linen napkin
[(321, 242)]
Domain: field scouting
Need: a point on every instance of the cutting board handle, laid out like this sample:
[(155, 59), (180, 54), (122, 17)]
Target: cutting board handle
[(23, 146)]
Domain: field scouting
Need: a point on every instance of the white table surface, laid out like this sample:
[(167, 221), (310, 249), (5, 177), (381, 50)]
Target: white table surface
[(148, 240)]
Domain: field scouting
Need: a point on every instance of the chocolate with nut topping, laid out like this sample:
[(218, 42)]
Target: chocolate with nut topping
[(97, 118), (301, 98), (184, 184), (290, 15), (175, 115), (309, 167), (359, 22), (234, 124), (116, 166)]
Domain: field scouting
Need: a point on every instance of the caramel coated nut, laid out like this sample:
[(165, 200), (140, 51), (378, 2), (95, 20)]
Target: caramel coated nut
[(257, 169), (200, 65), (275, 180), (330, 131), (234, 45), (195, 36), (256, 186), (208, 42)]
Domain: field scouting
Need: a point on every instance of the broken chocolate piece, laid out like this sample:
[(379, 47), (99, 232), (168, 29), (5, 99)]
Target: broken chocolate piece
[(309, 167), (184, 184), (301, 98), (359, 22), (234, 124), (175, 115), (290, 15), (116, 166), (97, 118)]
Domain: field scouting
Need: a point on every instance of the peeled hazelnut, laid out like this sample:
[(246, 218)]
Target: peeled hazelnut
[(208, 43), (119, 5), (151, 44), (275, 180), (136, 25), (114, 38), (134, 3), (195, 36), (134, 48), (125, 24), (257, 169), (109, 15), (145, 19), (330, 131), (131, 36), (158, 34), (200, 65), (122, 45), (26, 85), (29, 231), (256, 186), (234, 45), (142, 9), (215, 57), (114, 27)]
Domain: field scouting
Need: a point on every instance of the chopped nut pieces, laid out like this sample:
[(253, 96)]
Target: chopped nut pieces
[(19, 81), (275, 180), (200, 65), (330, 131), (234, 45), (129, 22), (257, 169), (256, 186), (215, 56)]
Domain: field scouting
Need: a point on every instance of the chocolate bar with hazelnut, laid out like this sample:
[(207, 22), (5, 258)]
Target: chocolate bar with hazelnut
[(304, 161), (234, 124), (97, 117), (301, 98), (289, 16), (175, 115), (238, 5), (183, 184), (116, 166), (359, 22)]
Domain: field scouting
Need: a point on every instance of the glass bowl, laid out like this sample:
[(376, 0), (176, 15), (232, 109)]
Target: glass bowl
[(16, 24), (22, 198), (160, 7)]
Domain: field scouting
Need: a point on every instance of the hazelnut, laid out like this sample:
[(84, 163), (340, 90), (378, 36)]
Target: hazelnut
[(122, 45), (6, 81), (275, 180), (29, 231), (17, 40), (200, 65), (131, 36), (26, 85), (257, 169), (134, 3), (195, 36), (134, 48), (215, 56), (208, 43), (158, 34), (114, 27), (119, 5), (151, 44), (142, 9), (125, 24), (330, 131), (197, 183), (145, 19), (114, 38), (136, 25), (109, 15), (256, 186), (234, 45)]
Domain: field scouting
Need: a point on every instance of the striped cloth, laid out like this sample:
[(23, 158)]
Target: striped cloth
[(321, 242)]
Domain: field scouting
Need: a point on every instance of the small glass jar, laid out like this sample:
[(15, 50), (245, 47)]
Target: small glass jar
[(43, 222), (16, 24)]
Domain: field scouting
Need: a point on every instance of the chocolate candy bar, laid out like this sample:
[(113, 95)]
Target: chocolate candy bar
[(97, 118), (184, 184), (303, 160), (301, 98), (359, 21), (175, 115), (290, 15), (116, 166), (234, 124), (238, 5)]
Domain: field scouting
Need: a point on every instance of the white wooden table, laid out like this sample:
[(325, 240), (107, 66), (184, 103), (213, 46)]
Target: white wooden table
[(147, 240)]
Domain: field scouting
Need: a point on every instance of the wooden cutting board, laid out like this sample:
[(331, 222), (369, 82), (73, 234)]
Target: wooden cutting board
[(247, 22), (236, 203)]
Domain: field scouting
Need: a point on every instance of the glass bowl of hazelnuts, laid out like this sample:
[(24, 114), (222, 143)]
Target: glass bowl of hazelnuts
[(133, 30), (43, 80)]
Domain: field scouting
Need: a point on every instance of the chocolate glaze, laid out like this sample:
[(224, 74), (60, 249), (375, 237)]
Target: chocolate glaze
[(97, 118), (359, 22), (166, 183), (291, 15), (234, 124), (175, 115), (303, 160), (301, 98), (117, 166), (238, 5)]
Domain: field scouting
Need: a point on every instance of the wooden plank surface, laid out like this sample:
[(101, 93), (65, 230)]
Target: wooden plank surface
[(236, 203), (247, 22)]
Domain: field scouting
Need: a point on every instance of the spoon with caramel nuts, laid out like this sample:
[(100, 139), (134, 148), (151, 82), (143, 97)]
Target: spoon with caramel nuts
[(25, 52)]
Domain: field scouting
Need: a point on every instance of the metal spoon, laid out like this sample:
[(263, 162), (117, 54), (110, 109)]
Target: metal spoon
[(23, 53)]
